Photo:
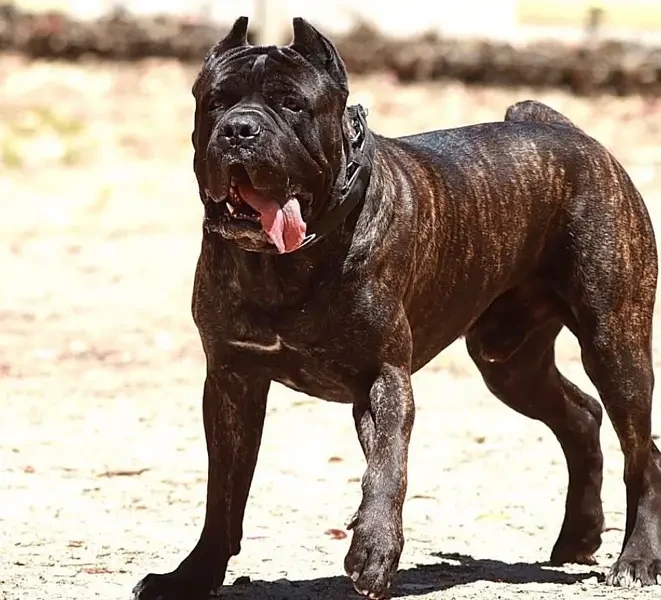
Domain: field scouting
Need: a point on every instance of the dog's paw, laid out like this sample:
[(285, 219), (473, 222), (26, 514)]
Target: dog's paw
[(571, 555), (635, 572), (168, 587), (373, 558), (577, 549)]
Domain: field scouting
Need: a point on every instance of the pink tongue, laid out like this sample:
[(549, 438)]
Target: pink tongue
[(283, 224)]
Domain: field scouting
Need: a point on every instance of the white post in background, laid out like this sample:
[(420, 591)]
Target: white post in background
[(206, 10), (270, 22), (479, 18)]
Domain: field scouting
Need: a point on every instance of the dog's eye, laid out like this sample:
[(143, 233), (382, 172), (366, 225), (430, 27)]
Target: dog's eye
[(293, 105), (222, 100), (217, 104)]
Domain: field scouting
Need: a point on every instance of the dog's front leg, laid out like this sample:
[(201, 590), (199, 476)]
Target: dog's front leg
[(234, 407), (383, 422)]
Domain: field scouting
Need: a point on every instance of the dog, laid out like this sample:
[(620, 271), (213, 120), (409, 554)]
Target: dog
[(338, 262)]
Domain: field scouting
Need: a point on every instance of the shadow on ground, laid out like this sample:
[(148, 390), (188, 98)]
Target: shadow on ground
[(454, 570)]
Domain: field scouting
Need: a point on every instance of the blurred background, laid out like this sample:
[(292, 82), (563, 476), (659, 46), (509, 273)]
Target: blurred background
[(101, 445)]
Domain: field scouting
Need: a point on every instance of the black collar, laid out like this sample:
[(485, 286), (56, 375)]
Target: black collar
[(356, 178)]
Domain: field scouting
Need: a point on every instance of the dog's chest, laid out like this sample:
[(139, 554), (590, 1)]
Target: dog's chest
[(309, 338), (322, 367), (259, 346)]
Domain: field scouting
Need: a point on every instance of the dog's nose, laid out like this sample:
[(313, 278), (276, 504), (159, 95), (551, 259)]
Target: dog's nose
[(241, 128)]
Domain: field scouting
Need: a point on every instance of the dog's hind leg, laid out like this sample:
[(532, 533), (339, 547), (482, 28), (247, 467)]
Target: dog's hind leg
[(512, 345), (612, 292), (617, 357)]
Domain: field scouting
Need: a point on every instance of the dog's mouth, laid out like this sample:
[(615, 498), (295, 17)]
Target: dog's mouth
[(238, 208), (247, 206)]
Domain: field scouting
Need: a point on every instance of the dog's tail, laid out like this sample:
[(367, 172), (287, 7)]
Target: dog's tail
[(531, 110)]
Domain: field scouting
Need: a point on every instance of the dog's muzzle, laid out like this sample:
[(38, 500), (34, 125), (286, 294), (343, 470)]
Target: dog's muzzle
[(239, 129)]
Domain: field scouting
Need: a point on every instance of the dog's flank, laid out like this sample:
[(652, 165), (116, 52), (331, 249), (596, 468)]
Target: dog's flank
[(501, 232)]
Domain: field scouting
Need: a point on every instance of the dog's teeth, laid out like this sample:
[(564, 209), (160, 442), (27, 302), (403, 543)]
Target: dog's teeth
[(230, 207)]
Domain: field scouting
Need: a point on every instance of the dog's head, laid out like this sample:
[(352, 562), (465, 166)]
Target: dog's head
[(269, 136)]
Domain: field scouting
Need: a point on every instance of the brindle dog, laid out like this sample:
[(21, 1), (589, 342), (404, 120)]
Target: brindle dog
[(338, 262)]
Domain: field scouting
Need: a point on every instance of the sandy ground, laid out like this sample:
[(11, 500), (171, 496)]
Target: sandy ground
[(101, 445)]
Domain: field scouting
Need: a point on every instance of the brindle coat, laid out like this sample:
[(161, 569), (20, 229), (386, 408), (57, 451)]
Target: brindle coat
[(501, 232)]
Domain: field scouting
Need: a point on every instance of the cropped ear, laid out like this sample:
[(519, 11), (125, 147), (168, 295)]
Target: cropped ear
[(236, 38), (315, 47)]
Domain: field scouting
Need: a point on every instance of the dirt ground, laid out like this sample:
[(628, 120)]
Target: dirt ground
[(101, 444)]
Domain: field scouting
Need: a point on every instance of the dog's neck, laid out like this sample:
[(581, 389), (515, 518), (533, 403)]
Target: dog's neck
[(355, 177)]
